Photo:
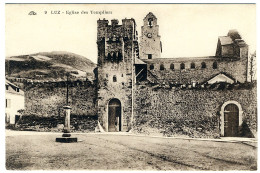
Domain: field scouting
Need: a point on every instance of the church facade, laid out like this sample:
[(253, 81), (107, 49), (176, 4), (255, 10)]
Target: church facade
[(136, 86)]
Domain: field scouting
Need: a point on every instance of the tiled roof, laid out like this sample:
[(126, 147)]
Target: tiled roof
[(240, 43), (13, 88), (138, 61), (225, 40), (180, 59), (221, 77)]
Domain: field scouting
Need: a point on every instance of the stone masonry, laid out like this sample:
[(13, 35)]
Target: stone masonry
[(172, 93), (116, 52), (197, 97)]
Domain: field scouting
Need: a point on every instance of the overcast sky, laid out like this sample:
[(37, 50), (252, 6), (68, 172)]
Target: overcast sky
[(186, 30)]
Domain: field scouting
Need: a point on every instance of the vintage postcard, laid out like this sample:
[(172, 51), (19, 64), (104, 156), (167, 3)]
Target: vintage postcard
[(131, 87)]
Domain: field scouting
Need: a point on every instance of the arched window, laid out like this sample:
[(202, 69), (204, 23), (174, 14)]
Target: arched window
[(192, 65), (150, 22), (215, 65), (203, 65), (172, 66), (182, 66), (151, 67), (161, 67), (114, 78)]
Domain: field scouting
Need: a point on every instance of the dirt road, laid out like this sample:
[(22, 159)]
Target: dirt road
[(112, 152)]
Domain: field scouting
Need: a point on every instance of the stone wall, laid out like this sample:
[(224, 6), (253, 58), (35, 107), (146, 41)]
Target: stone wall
[(191, 112), (236, 68), (56, 124), (47, 99)]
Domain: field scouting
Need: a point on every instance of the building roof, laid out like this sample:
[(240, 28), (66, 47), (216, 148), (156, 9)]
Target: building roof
[(240, 43), (7, 82), (221, 77), (225, 40), (138, 61), (13, 88), (180, 59), (149, 15)]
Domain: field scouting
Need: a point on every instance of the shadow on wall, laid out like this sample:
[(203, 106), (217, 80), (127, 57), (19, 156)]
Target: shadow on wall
[(245, 131)]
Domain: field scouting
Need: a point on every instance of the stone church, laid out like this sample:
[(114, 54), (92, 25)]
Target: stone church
[(135, 82)]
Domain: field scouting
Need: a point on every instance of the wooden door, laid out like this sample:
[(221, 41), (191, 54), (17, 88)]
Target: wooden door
[(114, 115), (231, 120)]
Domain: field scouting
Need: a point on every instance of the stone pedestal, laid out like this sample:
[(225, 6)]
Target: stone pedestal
[(67, 119), (66, 136)]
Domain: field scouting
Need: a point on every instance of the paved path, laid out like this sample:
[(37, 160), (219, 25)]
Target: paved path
[(34, 150)]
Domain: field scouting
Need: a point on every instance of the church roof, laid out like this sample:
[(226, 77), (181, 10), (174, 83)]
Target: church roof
[(225, 40), (150, 15), (221, 77), (240, 43), (180, 59), (138, 61)]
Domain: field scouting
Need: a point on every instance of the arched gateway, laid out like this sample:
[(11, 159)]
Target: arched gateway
[(231, 119), (114, 115)]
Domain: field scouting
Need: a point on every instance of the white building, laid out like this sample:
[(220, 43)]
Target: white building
[(14, 101)]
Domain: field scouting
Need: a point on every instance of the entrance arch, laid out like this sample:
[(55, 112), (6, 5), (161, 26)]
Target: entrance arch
[(231, 119), (114, 115)]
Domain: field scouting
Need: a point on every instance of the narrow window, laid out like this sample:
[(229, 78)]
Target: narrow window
[(172, 66), (203, 65), (192, 65), (6, 87), (114, 78), (7, 117), (122, 75), (18, 90), (182, 66), (161, 67), (7, 103), (149, 56), (106, 75), (215, 65), (151, 67)]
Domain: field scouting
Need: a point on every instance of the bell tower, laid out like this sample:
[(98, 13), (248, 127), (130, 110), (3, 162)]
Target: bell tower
[(150, 40)]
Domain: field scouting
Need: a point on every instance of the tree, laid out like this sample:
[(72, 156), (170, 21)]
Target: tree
[(252, 67), (21, 112)]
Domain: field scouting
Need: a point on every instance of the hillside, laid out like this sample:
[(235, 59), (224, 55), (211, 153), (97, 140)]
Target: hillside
[(49, 66)]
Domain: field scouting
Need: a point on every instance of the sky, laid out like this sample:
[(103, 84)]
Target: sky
[(187, 30)]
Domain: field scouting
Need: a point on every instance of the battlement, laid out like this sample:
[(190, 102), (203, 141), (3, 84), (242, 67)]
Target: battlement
[(102, 23), (115, 22)]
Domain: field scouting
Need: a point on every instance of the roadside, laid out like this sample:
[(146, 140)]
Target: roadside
[(222, 139)]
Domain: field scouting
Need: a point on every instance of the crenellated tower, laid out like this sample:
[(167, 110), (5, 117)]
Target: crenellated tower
[(117, 49)]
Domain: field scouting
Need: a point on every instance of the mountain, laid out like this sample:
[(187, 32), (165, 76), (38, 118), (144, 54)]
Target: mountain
[(49, 66)]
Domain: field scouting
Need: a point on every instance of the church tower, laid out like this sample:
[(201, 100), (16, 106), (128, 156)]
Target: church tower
[(117, 48), (150, 40)]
